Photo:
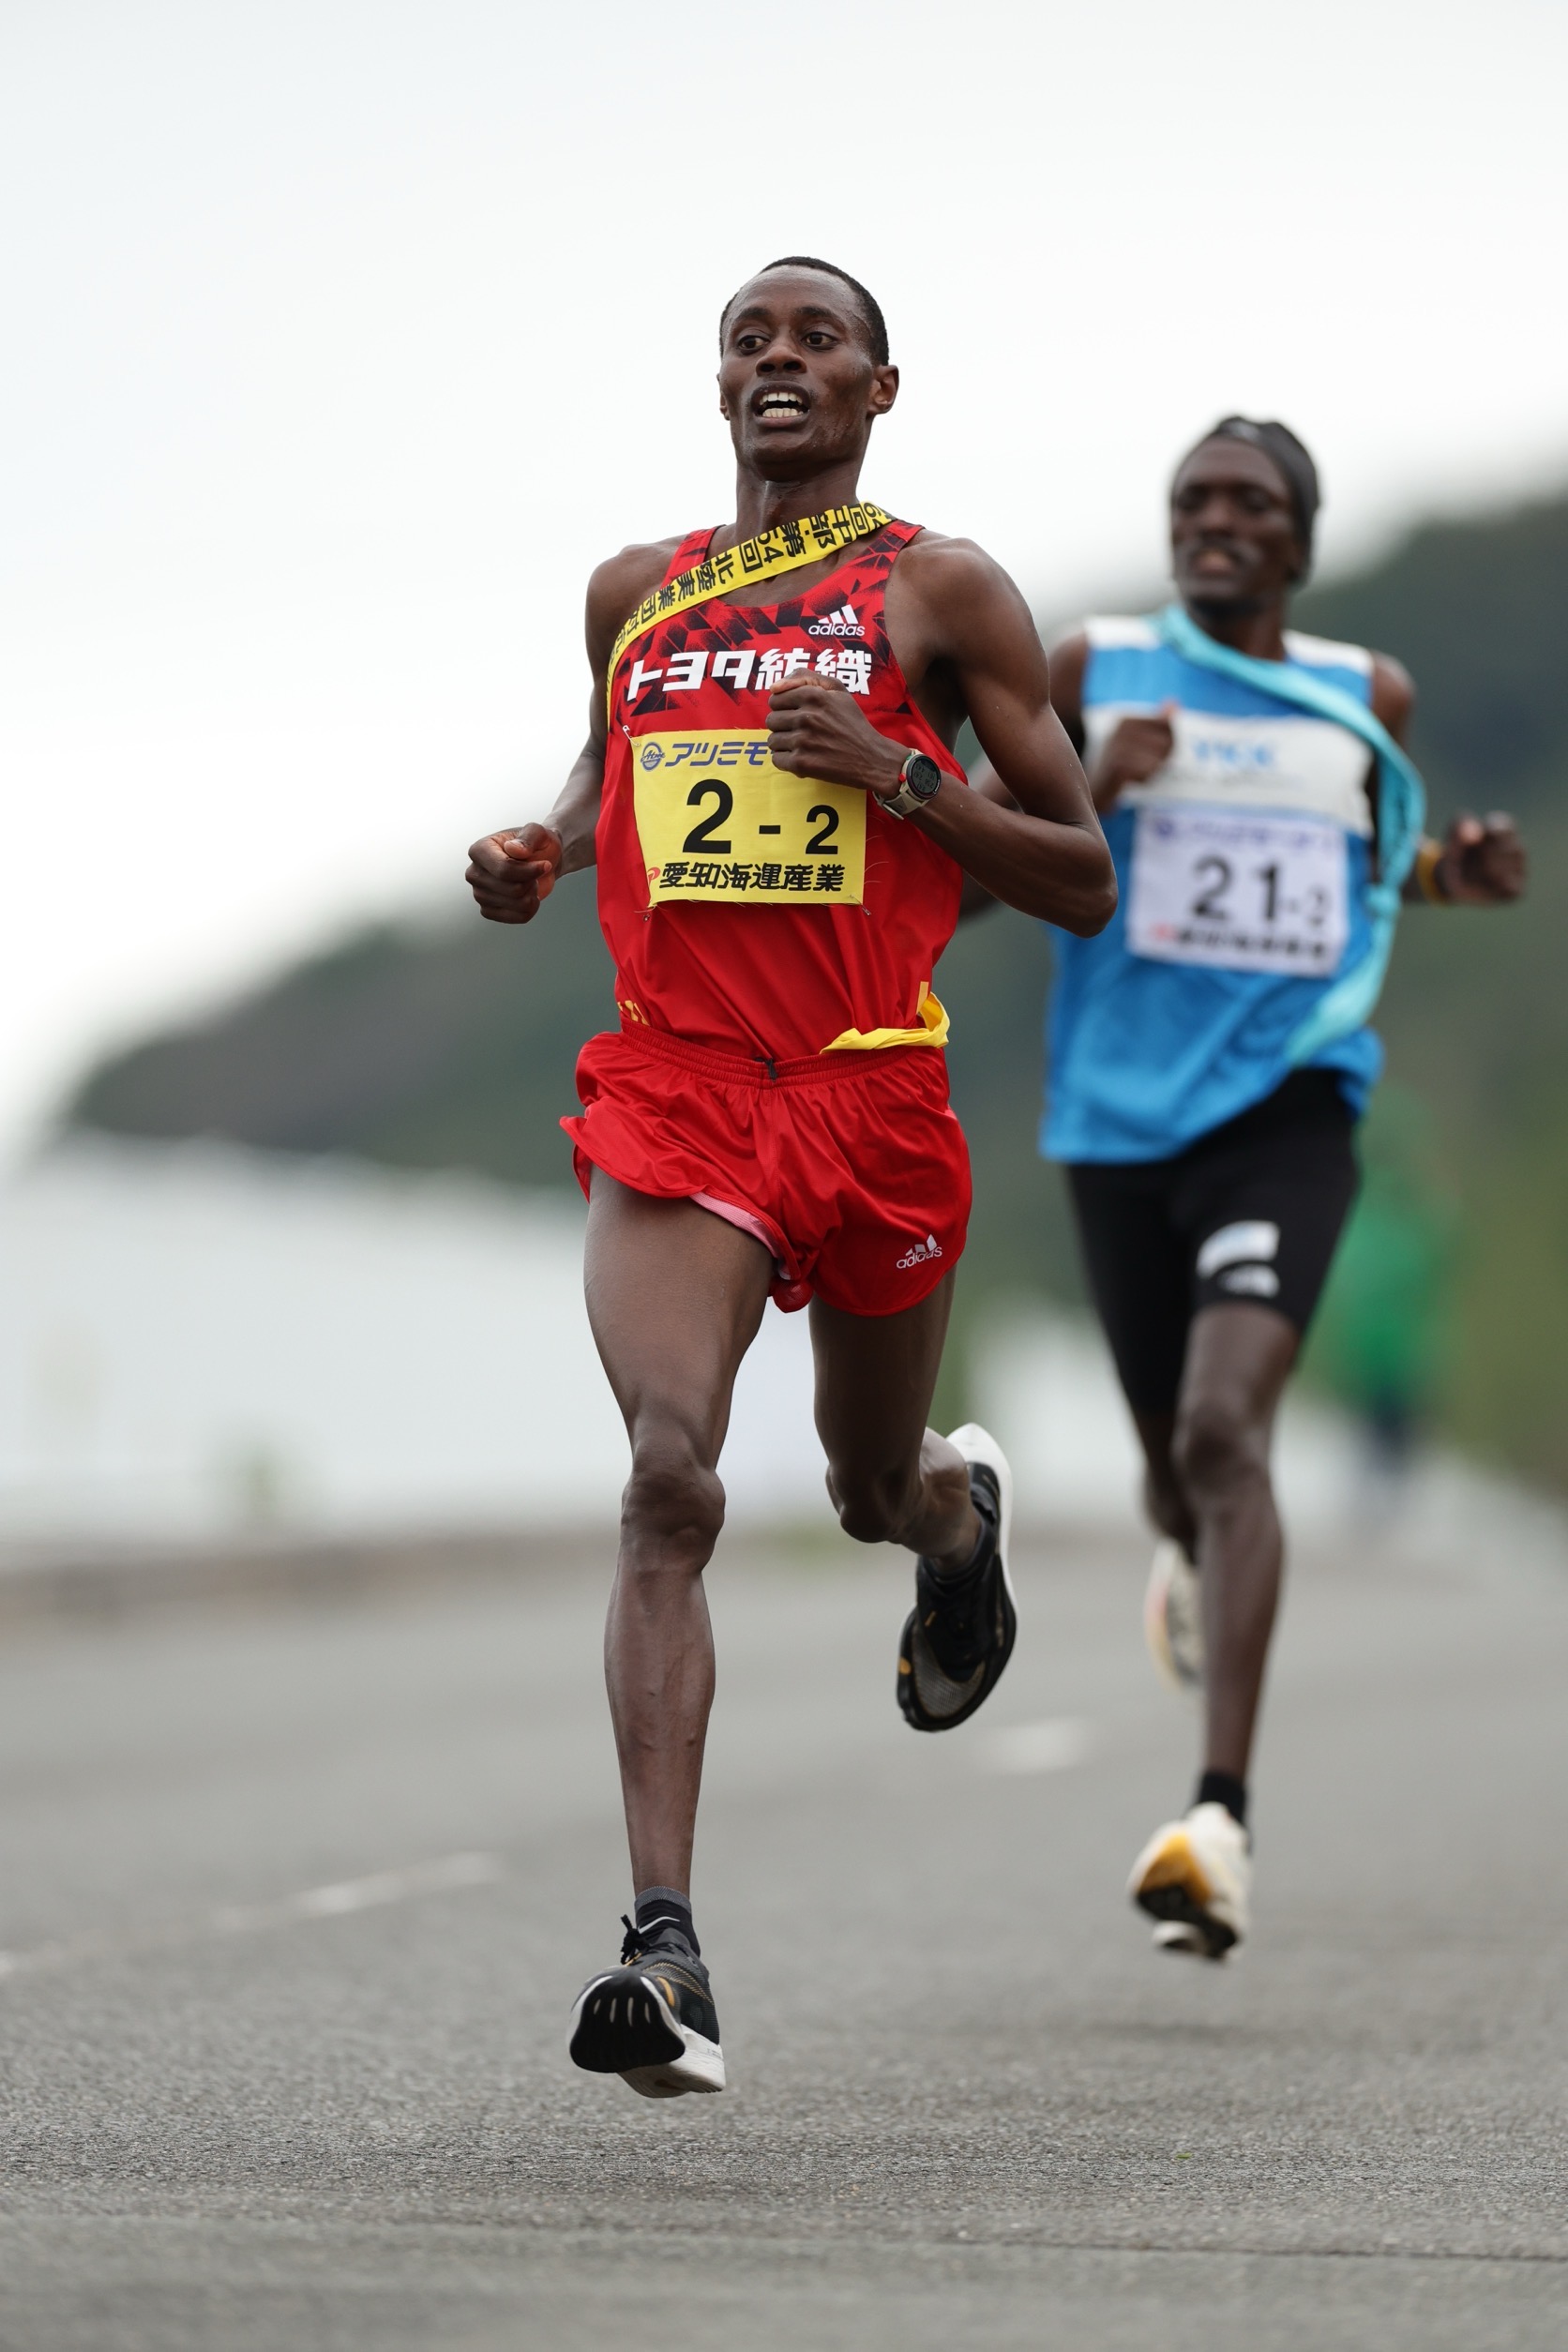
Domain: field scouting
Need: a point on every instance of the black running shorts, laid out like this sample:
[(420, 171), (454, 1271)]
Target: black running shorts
[(1251, 1211)]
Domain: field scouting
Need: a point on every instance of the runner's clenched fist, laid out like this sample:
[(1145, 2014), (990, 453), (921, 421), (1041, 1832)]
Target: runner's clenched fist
[(512, 873)]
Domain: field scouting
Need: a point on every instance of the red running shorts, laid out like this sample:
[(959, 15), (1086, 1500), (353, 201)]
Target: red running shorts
[(850, 1168)]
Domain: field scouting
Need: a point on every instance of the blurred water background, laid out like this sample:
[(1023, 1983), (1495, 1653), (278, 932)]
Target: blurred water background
[(206, 1345)]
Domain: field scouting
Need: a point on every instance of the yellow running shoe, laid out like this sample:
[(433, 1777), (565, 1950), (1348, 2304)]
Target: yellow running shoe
[(1194, 1878)]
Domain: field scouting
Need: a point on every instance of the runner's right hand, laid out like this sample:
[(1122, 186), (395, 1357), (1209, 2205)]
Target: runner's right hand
[(1138, 750), (512, 873)]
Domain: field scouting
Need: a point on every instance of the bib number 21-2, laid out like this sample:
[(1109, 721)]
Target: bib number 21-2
[(1246, 893)]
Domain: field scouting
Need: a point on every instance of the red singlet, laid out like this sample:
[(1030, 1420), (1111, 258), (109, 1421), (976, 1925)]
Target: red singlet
[(772, 981), (766, 1066)]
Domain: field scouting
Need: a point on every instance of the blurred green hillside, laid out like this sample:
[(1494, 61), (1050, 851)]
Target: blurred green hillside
[(1475, 1015), (452, 1043)]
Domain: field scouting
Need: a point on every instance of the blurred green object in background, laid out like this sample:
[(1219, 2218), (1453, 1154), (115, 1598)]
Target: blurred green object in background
[(1382, 1332)]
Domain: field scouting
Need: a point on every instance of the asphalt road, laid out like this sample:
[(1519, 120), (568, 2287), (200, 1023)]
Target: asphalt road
[(295, 1899)]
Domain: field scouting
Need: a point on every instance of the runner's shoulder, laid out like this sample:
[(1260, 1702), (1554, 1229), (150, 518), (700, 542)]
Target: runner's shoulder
[(939, 557), (1391, 689), (1068, 655), (1393, 693), (1105, 633), (619, 584), (957, 579)]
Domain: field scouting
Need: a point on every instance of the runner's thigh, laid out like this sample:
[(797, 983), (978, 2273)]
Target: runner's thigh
[(676, 1295), (1139, 1270), (876, 1376)]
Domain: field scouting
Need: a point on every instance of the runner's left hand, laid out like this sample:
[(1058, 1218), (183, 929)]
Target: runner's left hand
[(1483, 862), (816, 727)]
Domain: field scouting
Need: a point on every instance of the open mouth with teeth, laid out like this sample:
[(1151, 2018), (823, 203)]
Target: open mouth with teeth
[(786, 407)]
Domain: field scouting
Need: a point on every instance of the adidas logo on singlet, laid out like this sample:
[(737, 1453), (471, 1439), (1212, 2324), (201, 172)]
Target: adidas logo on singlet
[(841, 624), (920, 1255)]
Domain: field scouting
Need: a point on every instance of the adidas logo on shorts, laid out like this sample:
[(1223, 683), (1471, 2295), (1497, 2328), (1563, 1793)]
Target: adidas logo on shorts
[(844, 622), (921, 1254)]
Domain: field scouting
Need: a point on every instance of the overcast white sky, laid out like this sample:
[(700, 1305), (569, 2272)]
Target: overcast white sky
[(343, 337)]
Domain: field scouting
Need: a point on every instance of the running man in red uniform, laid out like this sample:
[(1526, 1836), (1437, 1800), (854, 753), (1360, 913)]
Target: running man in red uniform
[(782, 833)]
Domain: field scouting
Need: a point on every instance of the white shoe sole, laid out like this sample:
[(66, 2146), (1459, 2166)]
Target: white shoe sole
[(978, 1445), (672, 2058), (699, 2067), (1170, 1562)]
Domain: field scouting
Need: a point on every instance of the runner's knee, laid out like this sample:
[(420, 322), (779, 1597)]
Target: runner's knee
[(1219, 1448), (673, 1503)]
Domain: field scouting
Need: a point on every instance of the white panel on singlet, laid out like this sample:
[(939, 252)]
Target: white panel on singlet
[(1119, 629), (1327, 652), (1307, 765)]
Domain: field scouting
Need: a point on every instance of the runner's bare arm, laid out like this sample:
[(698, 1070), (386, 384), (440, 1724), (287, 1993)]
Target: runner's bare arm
[(968, 647), (1067, 659), (512, 873), (1481, 861), (1066, 676)]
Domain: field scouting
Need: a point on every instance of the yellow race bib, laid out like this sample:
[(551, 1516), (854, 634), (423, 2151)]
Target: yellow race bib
[(717, 822)]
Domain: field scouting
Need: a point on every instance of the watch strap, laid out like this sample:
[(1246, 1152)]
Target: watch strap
[(906, 800)]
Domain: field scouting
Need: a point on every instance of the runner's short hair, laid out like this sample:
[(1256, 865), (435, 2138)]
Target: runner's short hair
[(871, 308), (1291, 457)]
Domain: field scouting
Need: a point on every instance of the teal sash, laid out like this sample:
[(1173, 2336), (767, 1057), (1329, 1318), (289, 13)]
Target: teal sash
[(1348, 1002)]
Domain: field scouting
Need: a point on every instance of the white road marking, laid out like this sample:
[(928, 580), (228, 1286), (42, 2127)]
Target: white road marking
[(1053, 1746), (446, 1875), (360, 1894)]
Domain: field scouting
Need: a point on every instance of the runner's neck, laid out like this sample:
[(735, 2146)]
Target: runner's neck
[(1258, 635), (760, 506)]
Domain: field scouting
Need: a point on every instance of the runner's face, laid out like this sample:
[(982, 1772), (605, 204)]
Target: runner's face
[(796, 379), (1234, 543)]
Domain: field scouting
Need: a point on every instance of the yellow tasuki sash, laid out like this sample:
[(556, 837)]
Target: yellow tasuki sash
[(933, 1030), (783, 546)]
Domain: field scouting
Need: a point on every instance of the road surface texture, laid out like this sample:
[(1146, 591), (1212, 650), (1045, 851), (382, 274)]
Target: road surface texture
[(295, 1898)]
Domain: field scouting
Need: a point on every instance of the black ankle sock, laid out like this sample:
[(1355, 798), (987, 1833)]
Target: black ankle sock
[(662, 1908), (1223, 1789)]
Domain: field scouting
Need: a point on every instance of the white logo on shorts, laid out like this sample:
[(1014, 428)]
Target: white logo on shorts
[(1233, 1244), (921, 1254)]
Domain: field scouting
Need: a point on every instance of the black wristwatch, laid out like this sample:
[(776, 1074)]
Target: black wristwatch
[(919, 780)]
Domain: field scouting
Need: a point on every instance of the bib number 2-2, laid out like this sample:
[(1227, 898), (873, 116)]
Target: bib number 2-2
[(719, 821)]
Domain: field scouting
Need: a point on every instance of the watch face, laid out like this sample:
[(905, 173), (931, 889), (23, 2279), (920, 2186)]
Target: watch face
[(922, 775)]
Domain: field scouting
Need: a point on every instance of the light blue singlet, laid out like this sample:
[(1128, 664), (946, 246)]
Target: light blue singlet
[(1251, 936)]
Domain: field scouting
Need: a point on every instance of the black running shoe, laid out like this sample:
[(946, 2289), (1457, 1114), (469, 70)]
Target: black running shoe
[(651, 2020), (961, 1630)]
